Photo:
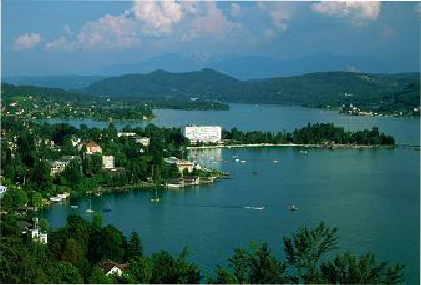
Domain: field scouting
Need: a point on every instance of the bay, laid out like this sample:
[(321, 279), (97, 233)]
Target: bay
[(372, 196)]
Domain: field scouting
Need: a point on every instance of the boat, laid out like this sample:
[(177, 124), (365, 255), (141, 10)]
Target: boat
[(237, 159), (98, 194), (55, 199), (254, 172), (107, 209), (293, 208), (254, 208), (74, 207), (89, 210), (275, 161), (243, 161), (156, 199), (303, 151)]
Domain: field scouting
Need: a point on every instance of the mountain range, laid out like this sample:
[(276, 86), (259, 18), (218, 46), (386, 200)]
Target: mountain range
[(251, 67)]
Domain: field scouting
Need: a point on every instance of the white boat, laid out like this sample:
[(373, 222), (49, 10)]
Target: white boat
[(243, 161), (293, 208), (275, 161), (254, 208), (237, 159), (55, 199), (89, 210), (156, 199), (74, 207)]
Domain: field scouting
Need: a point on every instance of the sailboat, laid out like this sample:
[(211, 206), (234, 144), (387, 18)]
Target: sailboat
[(89, 210), (156, 199), (107, 209)]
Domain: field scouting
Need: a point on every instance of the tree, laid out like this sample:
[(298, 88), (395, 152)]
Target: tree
[(64, 272), (72, 251), (134, 246), (98, 277), (36, 199), (304, 250), (346, 269), (14, 199)]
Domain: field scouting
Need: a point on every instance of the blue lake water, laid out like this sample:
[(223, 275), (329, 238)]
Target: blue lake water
[(372, 196)]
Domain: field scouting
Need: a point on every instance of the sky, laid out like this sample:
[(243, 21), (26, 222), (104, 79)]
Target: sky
[(83, 37)]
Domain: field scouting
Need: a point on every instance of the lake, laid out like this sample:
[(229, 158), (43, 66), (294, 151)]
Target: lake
[(372, 196)]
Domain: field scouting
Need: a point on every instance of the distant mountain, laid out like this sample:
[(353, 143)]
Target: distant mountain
[(252, 67), (63, 81), (313, 89), (170, 62), (162, 83)]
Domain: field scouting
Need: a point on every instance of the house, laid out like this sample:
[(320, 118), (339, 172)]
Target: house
[(144, 141), (108, 162), (75, 141), (111, 267), (181, 164), (58, 166), (13, 104), (3, 190), (34, 232), (125, 134), (37, 235), (91, 147)]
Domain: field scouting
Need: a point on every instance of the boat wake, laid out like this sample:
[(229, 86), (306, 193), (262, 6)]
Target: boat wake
[(254, 208)]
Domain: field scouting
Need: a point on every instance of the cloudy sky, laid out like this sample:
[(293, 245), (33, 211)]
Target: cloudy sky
[(82, 37)]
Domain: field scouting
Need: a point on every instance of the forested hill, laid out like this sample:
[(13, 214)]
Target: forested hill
[(205, 83), (313, 89), (10, 92)]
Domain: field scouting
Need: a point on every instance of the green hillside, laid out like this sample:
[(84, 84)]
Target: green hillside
[(164, 84), (10, 92), (331, 89)]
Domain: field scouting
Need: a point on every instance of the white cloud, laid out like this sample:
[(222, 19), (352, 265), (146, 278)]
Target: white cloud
[(357, 12), (235, 10), (158, 17), (166, 20), (108, 32), (26, 41), (210, 21), (280, 13)]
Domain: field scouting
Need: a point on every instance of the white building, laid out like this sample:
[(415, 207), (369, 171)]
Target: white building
[(58, 167), (202, 134), (125, 134), (181, 164), (3, 190), (108, 162), (144, 141), (37, 235)]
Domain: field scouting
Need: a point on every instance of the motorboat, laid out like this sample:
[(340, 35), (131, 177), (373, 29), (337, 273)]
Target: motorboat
[(293, 208)]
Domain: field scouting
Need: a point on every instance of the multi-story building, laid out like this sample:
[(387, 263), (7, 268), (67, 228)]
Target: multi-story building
[(205, 134), (108, 162)]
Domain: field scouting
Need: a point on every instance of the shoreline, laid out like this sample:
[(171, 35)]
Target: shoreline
[(324, 146)]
